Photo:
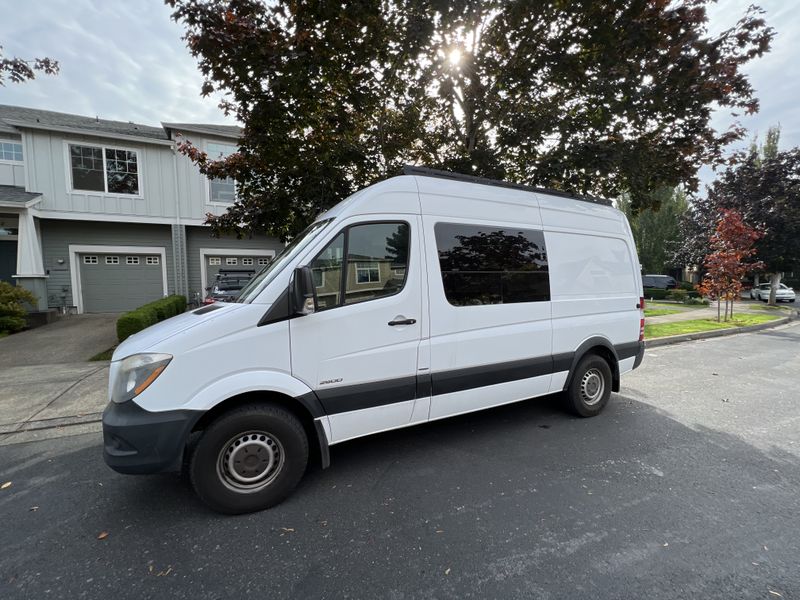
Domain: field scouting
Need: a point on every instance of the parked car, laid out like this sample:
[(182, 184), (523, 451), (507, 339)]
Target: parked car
[(783, 294), (418, 298), (661, 282), (227, 285)]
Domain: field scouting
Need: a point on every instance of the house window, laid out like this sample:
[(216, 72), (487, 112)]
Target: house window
[(11, 151), (131, 260), (109, 170), (112, 260), (231, 260), (248, 262), (262, 262), (90, 260), (214, 260), (221, 190), (368, 273), (152, 260)]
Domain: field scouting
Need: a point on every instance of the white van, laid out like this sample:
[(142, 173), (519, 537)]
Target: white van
[(421, 297)]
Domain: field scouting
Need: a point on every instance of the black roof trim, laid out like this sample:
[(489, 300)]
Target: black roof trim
[(427, 172)]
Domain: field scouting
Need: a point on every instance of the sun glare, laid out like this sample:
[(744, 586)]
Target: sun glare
[(454, 57)]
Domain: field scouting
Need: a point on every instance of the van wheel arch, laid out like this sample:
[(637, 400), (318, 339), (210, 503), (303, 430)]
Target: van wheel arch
[(305, 408), (602, 348)]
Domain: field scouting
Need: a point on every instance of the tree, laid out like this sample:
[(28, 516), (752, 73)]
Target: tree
[(17, 70), (590, 97), (731, 246), (764, 187), (12, 306), (655, 231)]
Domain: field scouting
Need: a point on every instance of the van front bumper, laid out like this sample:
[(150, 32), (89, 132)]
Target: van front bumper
[(138, 441)]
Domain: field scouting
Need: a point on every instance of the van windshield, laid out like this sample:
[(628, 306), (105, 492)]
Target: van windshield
[(268, 273)]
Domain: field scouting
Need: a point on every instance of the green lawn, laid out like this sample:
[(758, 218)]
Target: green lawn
[(657, 312), (760, 306), (698, 325)]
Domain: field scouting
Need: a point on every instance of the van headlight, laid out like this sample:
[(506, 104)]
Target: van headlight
[(136, 373)]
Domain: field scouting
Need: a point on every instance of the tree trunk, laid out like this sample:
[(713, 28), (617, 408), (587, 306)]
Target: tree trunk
[(756, 280), (774, 281), (733, 299), (718, 315)]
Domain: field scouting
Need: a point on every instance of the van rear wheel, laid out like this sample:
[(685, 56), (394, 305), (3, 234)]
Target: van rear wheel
[(590, 388), (249, 459)]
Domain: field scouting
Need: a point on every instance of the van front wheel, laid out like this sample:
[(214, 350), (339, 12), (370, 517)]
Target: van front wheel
[(590, 388), (249, 459)]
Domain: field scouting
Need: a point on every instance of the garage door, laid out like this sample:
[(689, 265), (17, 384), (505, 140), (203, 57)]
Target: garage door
[(215, 262), (119, 282)]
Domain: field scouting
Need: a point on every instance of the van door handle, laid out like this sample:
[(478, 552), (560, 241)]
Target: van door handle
[(402, 322)]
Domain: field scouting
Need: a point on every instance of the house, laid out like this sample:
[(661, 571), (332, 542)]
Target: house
[(104, 216)]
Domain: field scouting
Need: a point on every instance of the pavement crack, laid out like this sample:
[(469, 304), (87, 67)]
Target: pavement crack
[(60, 395)]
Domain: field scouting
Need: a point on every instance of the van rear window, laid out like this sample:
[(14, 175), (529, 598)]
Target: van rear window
[(492, 265)]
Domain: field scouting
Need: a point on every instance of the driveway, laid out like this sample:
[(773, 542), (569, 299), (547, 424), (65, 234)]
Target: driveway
[(70, 339), (685, 487)]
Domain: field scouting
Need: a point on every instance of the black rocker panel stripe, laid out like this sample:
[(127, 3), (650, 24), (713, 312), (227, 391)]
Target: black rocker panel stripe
[(379, 393)]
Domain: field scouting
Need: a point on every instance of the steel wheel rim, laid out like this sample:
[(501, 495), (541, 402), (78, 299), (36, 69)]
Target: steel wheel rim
[(593, 385), (250, 461)]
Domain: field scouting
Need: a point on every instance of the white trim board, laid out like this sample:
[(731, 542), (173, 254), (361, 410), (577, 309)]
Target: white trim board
[(74, 265), (116, 218), (205, 252)]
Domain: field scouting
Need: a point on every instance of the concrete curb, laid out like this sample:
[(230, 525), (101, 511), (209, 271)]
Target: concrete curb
[(686, 337)]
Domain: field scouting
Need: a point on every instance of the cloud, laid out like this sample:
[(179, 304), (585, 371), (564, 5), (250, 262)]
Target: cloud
[(119, 60)]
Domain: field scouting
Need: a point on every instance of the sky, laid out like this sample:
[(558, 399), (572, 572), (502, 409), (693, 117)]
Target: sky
[(125, 60)]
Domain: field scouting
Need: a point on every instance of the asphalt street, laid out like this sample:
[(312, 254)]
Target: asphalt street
[(685, 487)]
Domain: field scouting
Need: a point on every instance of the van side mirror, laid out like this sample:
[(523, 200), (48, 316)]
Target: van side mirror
[(301, 292)]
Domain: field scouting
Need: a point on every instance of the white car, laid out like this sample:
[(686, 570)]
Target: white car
[(783, 294)]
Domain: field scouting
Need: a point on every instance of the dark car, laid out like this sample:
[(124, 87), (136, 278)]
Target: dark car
[(661, 282), (227, 285)]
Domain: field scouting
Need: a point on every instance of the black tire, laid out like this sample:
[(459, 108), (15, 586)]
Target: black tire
[(260, 442), (579, 398)]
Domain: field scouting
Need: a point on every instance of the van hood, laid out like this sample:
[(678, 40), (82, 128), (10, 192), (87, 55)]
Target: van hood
[(155, 334)]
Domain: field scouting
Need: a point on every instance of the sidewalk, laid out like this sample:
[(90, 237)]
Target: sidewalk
[(691, 312), (39, 399)]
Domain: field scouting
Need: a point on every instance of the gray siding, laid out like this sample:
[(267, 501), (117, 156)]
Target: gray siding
[(12, 174), (47, 160), (57, 235), (200, 237)]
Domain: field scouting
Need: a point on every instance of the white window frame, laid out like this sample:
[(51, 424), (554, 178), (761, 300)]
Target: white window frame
[(231, 261), (322, 279), (214, 261), (75, 250), (206, 253), (263, 258), (90, 259), (132, 260), (360, 268), (152, 260), (209, 201), (112, 259), (13, 162), (247, 261), (68, 166)]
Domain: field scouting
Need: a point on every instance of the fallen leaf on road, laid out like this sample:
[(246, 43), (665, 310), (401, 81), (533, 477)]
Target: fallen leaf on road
[(774, 593), (440, 531), (33, 508), (7, 484), (447, 571), (287, 529), (103, 535), (164, 573)]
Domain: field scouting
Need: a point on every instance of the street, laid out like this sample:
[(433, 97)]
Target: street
[(685, 487)]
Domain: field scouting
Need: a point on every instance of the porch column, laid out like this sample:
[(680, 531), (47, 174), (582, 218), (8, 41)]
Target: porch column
[(30, 266)]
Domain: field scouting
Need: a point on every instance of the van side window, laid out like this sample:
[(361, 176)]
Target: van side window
[(376, 266), (492, 265)]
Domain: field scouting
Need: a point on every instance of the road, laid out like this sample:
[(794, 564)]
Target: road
[(685, 487)]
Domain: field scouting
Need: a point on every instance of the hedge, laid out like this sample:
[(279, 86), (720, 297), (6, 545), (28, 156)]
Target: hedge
[(149, 314), (659, 294)]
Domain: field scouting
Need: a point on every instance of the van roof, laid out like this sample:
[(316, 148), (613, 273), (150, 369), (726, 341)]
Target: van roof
[(427, 172)]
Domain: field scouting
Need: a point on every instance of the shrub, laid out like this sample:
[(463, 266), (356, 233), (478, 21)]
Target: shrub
[(678, 295), (686, 285), (655, 293), (12, 311), (149, 314)]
